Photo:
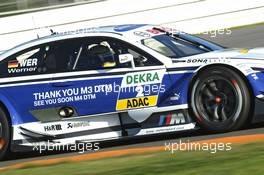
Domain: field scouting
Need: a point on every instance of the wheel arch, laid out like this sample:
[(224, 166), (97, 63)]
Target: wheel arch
[(8, 108), (5, 109), (238, 71)]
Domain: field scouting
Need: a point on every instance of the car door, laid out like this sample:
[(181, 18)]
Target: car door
[(100, 83), (22, 75)]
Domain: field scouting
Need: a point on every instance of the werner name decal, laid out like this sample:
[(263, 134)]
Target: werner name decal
[(29, 65)]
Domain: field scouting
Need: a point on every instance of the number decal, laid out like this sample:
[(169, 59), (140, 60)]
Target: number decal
[(140, 91)]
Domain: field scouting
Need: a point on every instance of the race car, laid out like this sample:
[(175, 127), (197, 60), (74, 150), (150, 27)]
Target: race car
[(94, 84)]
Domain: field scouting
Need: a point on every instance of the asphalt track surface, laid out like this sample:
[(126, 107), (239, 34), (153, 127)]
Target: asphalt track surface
[(246, 37)]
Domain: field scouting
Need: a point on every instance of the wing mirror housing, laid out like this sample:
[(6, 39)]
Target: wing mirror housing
[(126, 58)]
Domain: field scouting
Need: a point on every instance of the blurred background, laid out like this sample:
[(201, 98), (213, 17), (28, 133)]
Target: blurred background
[(14, 6), (24, 20)]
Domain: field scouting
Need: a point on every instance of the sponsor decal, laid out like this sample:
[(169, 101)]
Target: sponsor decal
[(172, 119), (70, 94), (143, 78), (125, 28), (141, 96), (197, 60), (254, 76), (61, 96), (137, 102), (244, 51), (142, 34), (176, 96), (78, 31), (153, 31), (78, 125), (56, 127), (164, 129)]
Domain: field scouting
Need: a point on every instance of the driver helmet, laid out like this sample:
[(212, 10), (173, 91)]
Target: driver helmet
[(104, 53)]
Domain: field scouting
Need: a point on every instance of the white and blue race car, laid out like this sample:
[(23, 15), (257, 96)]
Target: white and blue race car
[(121, 81)]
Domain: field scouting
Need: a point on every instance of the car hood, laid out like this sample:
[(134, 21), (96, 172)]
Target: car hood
[(248, 53)]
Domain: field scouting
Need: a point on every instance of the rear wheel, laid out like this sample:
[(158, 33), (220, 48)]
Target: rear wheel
[(220, 100), (4, 135)]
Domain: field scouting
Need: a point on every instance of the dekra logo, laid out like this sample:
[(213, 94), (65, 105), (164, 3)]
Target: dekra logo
[(142, 78)]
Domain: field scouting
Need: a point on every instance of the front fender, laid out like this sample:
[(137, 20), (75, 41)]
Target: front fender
[(254, 80), (14, 115)]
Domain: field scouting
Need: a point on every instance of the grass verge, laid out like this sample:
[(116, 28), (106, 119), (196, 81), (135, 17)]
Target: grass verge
[(241, 160)]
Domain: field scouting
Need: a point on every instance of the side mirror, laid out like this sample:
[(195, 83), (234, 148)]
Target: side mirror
[(126, 58)]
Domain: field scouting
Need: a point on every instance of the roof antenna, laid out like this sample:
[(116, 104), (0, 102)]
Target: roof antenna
[(52, 32), (35, 27)]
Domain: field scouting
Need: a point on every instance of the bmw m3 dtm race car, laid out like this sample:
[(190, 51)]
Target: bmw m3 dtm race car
[(121, 81)]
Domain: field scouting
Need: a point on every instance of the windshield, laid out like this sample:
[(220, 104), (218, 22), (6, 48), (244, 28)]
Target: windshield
[(173, 47)]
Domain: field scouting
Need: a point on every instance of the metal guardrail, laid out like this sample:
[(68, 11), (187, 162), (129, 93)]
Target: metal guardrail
[(8, 6), (15, 7), (4, 4)]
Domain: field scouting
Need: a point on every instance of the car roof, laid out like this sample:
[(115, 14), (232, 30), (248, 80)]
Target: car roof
[(115, 29), (131, 32), (122, 30)]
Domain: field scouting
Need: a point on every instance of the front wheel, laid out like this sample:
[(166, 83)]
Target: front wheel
[(220, 100), (4, 135)]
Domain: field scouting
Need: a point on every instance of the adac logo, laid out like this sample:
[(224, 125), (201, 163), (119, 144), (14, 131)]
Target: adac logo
[(133, 103)]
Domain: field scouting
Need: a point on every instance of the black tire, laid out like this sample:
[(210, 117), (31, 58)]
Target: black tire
[(4, 135), (220, 100)]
